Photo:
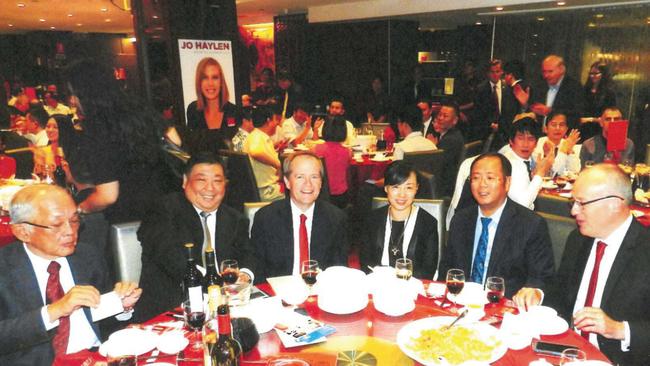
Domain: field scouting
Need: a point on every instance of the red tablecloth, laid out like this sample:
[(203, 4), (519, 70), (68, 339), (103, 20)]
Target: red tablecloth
[(369, 324)]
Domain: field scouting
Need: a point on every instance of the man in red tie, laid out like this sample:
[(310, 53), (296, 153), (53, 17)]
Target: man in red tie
[(48, 283), (603, 282), (301, 227)]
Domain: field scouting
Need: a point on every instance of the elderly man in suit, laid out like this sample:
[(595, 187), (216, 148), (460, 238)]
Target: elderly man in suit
[(499, 237), (48, 282), (559, 92), (300, 227), (603, 283), (197, 216)]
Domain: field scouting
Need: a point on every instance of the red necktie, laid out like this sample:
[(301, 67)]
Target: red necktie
[(593, 281), (303, 240), (54, 292)]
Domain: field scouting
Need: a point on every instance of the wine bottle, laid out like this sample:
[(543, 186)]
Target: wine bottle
[(227, 351), (212, 276), (211, 327), (59, 174), (192, 282)]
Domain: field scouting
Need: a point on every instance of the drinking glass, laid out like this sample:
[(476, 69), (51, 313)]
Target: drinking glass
[(570, 355), (403, 268), (496, 288), (561, 182), (229, 271), (309, 270), (589, 164), (455, 282), (194, 321)]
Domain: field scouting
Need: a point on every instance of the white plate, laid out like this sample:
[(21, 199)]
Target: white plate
[(395, 312), (130, 341), (589, 363), (341, 307), (472, 294), (172, 342), (549, 185), (553, 325), (380, 159), (413, 330)]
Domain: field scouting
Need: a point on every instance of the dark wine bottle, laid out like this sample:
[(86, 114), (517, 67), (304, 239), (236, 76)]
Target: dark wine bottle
[(227, 351), (59, 174), (192, 282), (212, 276)]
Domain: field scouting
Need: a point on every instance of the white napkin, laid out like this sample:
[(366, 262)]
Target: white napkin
[(109, 305)]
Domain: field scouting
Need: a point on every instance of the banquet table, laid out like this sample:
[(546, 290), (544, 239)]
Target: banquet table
[(366, 334)]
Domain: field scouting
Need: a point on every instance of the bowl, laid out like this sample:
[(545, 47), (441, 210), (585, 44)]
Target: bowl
[(238, 293)]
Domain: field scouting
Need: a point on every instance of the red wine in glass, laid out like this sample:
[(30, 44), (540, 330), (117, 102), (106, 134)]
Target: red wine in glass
[(455, 287), (309, 277), (196, 320), (230, 276), (494, 296)]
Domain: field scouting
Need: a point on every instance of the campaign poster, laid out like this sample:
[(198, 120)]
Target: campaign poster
[(206, 72)]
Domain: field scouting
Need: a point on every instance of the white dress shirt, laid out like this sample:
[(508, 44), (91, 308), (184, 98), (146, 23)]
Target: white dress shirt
[(523, 189), (291, 128), (82, 335), (492, 230), (295, 219), (498, 90), (408, 233), (425, 125), (414, 141), (613, 241)]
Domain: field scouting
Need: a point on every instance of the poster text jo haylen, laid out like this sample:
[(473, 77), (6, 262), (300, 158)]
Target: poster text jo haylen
[(205, 45)]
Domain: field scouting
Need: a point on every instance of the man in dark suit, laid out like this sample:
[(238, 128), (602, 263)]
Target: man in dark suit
[(178, 218), (424, 104), (48, 283), (499, 237), (489, 101), (514, 100), (559, 92), (451, 141), (603, 284), (300, 227)]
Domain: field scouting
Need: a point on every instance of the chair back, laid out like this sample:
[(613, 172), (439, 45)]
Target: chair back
[(437, 208), (559, 228), (553, 205), (471, 149), (242, 186), (127, 251), (432, 162), (250, 209)]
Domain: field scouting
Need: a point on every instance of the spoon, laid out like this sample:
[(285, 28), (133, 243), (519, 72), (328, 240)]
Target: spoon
[(459, 317)]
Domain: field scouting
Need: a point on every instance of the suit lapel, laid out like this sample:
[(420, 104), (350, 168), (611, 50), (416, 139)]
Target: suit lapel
[(468, 241), (192, 222), (582, 256), (318, 233), (224, 232), (81, 274), (285, 251), (623, 256), (501, 238), (23, 272), (380, 235)]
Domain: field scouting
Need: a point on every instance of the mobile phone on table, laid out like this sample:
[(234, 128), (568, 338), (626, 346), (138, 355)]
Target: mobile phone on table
[(257, 293), (548, 348)]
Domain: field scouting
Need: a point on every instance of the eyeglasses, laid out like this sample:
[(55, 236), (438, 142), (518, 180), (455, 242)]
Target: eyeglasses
[(75, 223), (595, 73), (582, 204)]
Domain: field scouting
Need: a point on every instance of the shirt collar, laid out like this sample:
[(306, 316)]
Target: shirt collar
[(496, 216), (39, 263), (615, 238), (414, 133), (557, 86), (198, 210), (295, 210)]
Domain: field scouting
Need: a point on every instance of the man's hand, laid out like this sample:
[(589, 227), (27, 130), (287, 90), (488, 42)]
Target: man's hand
[(548, 147), (569, 142), (527, 297), (494, 126), (521, 94), (595, 320), (540, 109), (129, 292), (74, 299)]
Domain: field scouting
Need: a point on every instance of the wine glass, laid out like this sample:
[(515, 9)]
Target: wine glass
[(571, 355), (309, 270), (194, 319), (403, 268), (455, 282), (229, 271), (561, 182), (496, 288)]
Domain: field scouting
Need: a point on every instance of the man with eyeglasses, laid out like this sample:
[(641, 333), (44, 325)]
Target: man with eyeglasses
[(197, 215), (603, 283), (49, 282), (565, 147), (595, 148)]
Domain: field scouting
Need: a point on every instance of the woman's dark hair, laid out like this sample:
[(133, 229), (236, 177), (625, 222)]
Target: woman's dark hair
[(112, 115), (398, 172), (605, 78), (335, 129), (61, 118)]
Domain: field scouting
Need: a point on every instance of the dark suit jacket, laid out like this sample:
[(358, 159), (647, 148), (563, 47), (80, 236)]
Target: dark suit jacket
[(430, 130), (199, 138), (570, 99), (452, 143), (272, 235), (170, 224), (521, 251), (485, 109), (625, 296), (422, 249), (23, 338)]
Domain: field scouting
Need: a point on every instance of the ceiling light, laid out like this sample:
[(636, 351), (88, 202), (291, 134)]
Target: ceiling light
[(69, 15), (107, 20), (10, 25), (21, 5), (52, 27), (600, 15), (79, 24), (541, 19), (479, 23), (155, 17), (132, 39), (104, 10), (41, 20), (591, 25), (561, 3), (499, 8)]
